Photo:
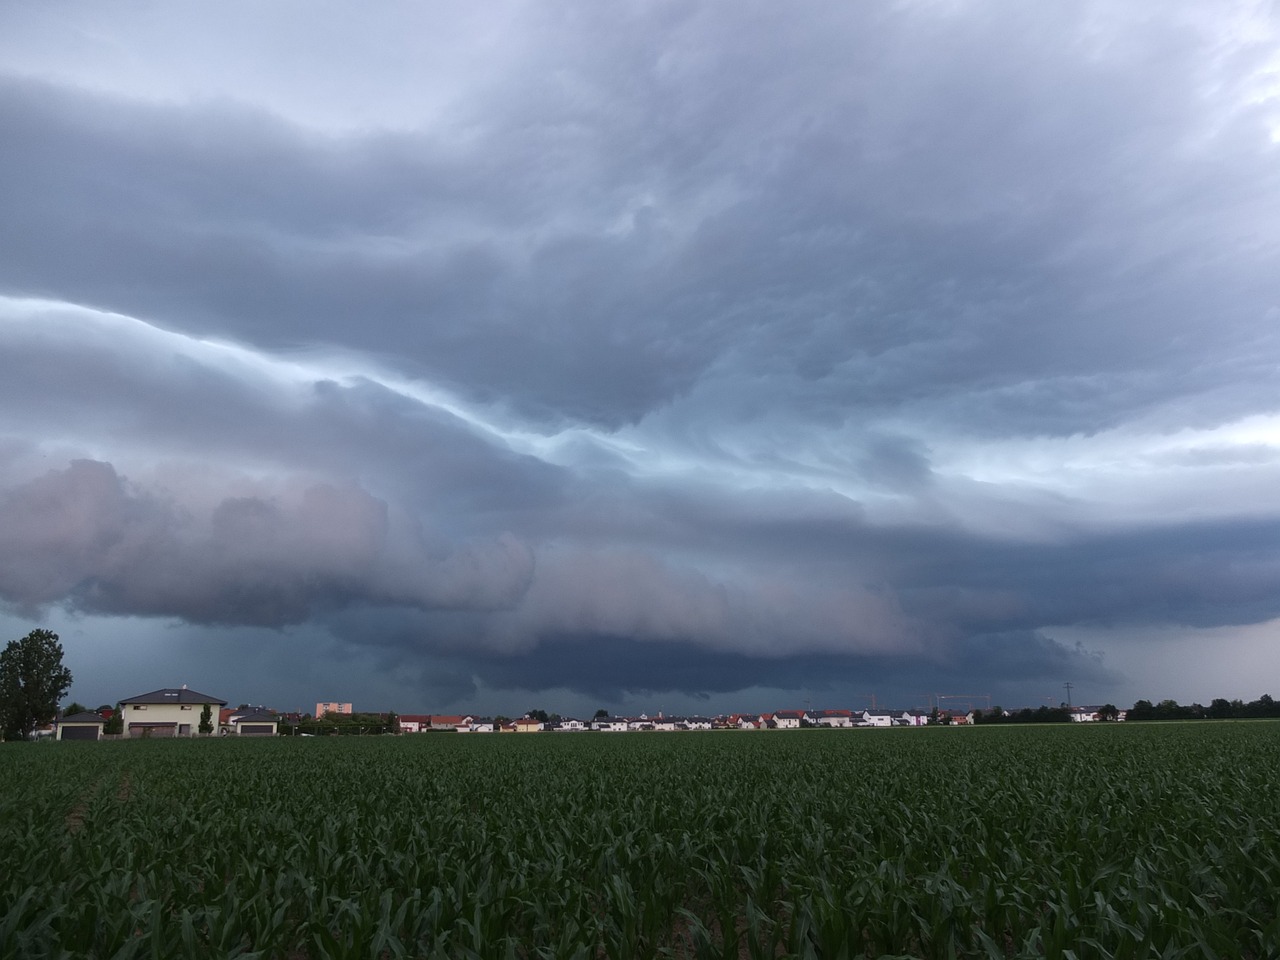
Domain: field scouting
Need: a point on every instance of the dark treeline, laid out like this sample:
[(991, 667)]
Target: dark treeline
[(1219, 709), (1025, 715)]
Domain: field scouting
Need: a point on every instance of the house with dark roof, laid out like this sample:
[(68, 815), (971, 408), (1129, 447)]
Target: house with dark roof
[(85, 725), (255, 723), (171, 712), (790, 719)]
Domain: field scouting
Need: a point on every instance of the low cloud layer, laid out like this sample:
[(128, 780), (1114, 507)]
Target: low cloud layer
[(640, 350)]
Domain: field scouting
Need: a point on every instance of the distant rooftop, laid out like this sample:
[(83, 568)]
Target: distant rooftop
[(174, 695)]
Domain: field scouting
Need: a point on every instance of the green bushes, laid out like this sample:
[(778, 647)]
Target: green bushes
[(1105, 841)]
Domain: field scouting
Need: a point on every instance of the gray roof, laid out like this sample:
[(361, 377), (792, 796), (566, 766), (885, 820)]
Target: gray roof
[(84, 716), (174, 695), (257, 716)]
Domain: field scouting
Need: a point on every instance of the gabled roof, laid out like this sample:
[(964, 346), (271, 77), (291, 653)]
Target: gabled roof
[(174, 695)]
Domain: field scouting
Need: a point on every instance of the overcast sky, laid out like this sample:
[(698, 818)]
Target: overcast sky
[(652, 355)]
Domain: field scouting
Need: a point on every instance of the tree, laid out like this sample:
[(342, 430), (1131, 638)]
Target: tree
[(73, 708), (601, 714), (1220, 709), (32, 681), (206, 721), (115, 726)]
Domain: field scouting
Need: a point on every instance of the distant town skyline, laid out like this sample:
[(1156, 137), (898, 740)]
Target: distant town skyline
[(698, 356)]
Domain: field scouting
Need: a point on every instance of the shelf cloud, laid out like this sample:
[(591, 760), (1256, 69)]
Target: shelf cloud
[(642, 352)]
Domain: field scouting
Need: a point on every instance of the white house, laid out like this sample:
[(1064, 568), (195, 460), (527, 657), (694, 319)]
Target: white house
[(790, 719), (1092, 714), (168, 713), (451, 721), (914, 718), (570, 725), (870, 719), (833, 718), (255, 723), (697, 723), (611, 724), (80, 726)]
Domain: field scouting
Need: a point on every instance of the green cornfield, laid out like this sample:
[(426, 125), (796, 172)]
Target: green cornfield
[(1105, 840)]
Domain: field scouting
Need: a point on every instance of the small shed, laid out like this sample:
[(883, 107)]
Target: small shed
[(259, 723), (81, 726)]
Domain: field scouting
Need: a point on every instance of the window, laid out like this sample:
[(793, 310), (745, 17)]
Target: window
[(186, 706), (139, 706)]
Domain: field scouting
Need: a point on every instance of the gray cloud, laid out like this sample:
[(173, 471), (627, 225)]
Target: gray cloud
[(86, 536), (596, 342)]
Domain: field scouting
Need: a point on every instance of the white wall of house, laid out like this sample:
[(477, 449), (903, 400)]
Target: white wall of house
[(239, 728), (185, 715)]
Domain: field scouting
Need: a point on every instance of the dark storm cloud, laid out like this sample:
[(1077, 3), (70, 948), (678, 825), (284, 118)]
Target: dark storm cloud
[(648, 348), (981, 238)]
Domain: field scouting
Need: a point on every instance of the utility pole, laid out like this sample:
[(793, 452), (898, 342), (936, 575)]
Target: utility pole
[(1068, 685)]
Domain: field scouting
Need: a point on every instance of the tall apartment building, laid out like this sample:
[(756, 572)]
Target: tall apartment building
[(323, 708)]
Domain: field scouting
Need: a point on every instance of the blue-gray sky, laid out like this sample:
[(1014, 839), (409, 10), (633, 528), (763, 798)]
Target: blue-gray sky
[(694, 356)]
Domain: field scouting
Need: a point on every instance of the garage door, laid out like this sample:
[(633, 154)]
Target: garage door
[(79, 733), (256, 729)]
